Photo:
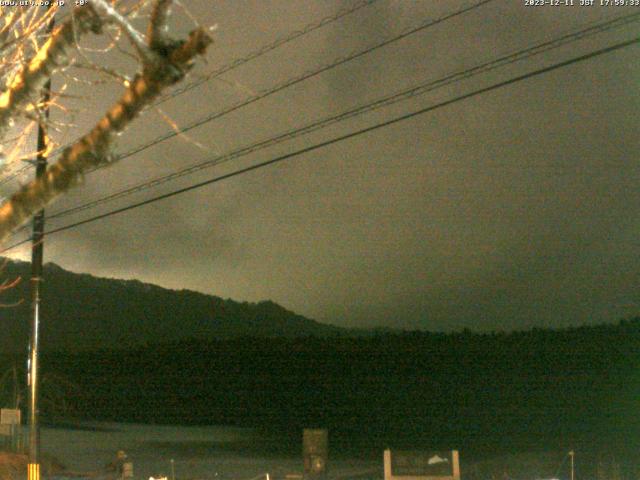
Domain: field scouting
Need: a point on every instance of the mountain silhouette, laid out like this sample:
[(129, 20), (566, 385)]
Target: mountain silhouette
[(82, 312)]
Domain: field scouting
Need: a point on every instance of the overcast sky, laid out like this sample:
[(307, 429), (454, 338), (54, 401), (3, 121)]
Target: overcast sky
[(516, 208)]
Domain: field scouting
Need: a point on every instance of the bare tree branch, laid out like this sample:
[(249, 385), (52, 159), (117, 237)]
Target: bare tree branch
[(9, 284), (157, 32), (27, 84), (170, 65), (136, 38)]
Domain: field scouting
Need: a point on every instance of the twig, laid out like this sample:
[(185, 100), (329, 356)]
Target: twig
[(31, 78), (111, 15), (157, 31), (93, 149)]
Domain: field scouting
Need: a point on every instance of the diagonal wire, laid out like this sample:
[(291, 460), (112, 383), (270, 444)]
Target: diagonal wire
[(266, 49), (286, 84), (233, 64), (382, 102), (304, 76), (332, 141)]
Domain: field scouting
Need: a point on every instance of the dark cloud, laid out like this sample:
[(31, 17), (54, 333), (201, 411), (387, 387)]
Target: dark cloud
[(514, 209)]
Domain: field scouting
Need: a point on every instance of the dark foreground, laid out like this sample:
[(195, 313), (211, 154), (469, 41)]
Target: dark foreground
[(492, 395)]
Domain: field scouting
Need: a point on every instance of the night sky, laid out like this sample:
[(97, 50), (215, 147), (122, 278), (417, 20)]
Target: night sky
[(512, 209)]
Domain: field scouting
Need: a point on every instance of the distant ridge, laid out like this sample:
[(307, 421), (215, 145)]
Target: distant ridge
[(83, 312)]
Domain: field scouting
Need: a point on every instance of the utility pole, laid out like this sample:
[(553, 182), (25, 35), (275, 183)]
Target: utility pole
[(37, 254), (572, 454), (16, 391)]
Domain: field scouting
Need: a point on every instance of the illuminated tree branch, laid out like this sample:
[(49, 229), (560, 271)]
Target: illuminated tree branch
[(165, 64), (28, 82), (157, 31)]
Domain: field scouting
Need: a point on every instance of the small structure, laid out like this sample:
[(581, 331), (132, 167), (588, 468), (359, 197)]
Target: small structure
[(315, 452), (10, 432), (413, 465), (121, 466)]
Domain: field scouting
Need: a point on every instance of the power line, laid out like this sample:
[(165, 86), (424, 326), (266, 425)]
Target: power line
[(284, 85), (347, 136), (266, 49), (382, 102), (305, 76), (279, 42)]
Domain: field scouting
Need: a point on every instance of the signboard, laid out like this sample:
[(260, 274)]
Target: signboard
[(9, 416), (315, 451), (415, 465), (127, 470)]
